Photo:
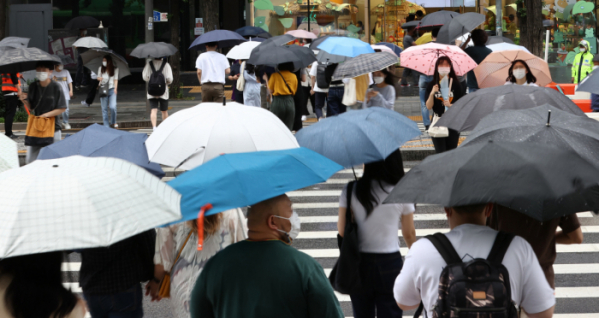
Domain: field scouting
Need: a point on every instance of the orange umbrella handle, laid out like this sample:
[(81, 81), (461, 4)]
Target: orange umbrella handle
[(201, 225)]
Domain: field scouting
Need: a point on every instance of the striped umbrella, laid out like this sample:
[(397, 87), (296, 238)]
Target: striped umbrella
[(364, 64)]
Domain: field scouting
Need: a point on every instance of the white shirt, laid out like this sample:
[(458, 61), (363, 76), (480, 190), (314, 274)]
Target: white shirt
[(109, 79), (63, 78), (525, 84), (313, 72), (377, 232), (166, 71), (213, 66), (419, 276)]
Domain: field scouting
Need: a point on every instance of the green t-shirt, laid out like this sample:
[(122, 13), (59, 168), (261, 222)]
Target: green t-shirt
[(260, 280)]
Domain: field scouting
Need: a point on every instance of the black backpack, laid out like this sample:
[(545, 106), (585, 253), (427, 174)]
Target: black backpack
[(157, 83), (479, 288), (324, 75)]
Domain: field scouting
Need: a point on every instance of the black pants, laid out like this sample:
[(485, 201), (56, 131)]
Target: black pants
[(91, 95), (446, 143), (10, 110), (312, 100), (334, 101), (82, 75)]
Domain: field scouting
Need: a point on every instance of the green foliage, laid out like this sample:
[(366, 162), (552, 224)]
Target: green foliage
[(280, 10), (21, 115)]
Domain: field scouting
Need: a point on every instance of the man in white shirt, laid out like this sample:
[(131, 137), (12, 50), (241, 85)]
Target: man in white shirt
[(212, 68), (320, 94), (419, 278)]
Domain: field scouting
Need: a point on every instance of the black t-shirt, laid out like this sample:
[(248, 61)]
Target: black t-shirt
[(456, 92), (46, 99)]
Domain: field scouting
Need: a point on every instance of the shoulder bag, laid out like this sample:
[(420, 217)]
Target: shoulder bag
[(165, 284), (349, 94), (437, 131), (40, 130), (241, 80)]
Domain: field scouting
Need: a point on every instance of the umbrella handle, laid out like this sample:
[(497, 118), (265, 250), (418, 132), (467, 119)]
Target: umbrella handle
[(203, 210)]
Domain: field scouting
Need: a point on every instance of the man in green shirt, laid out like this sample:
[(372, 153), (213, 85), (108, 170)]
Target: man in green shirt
[(264, 276)]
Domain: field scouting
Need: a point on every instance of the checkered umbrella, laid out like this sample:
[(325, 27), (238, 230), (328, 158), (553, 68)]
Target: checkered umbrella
[(9, 157), (79, 202), (364, 64)]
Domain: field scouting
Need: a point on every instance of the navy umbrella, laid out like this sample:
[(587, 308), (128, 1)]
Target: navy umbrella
[(358, 137), (249, 30), (224, 38), (99, 141), (396, 49), (300, 56)]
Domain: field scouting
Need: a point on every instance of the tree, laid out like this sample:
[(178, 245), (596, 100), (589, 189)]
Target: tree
[(175, 21), (210, 10), (4, 17), (530, 20)]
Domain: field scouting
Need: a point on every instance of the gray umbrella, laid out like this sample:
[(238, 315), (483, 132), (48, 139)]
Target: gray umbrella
[(467, 112), (272, 56), (326, 57), (498, 39), (459, 26), (92, 59), (410, 24), (437, 19), (525, 176), (154, 50), (15, 42), (590, 83), (24, 59), (364, 64)]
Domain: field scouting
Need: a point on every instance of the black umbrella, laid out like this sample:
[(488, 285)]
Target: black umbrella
[(470, 109), (82, 22), (275, 55), (224, 38), (459, 26), (590, 83), (250, 31), (24, 59), (528, 177), (154, 50), (14, 42), (498, 39), (410, 24), (264, 35), (276, 41), (437, 19)]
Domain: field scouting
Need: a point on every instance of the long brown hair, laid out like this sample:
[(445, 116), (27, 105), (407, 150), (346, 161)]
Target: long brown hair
[(211, 224), (529, 77), (437, 77), (109, 66)]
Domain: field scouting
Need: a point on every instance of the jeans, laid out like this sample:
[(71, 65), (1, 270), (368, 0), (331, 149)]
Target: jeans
[(109, 102), (319, 100), (378, 272), (34, 151), (65, 115), (334, 105), (10, 110), (422, 84), (82, 75), (126, 304)]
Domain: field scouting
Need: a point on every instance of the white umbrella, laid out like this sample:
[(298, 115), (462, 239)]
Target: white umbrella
[(504, 46), (9, 156), (89, 41), (190, 137), (79, 202), (242, 51)]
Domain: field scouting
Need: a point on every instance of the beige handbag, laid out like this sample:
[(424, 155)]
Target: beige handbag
[(435, 131), (241, 79)]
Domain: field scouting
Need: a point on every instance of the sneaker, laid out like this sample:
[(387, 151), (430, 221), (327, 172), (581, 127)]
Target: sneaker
[(304, 118), (85, 104), (13, 136), (62, 125), (67, 126)]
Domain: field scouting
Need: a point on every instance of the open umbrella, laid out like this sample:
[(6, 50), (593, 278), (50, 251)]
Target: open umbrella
[(276, 41), (24, 59), (242, 51), (422, 58), (15, 42), (410, 24), (302, 34), (272, 56), (192, 136), (101, 141), (467, 112), (224, 38), (493, 70), (425, 38), (396, 49), (154, 50), (9, 156), (238, 180), (437, 19), (590, 83), (504, 46), (345, 46), (92, 59), (97, 202), (89, 41), (315, 43), (358, 137), (365, 64), (82, 22), (382, 48), (498, 39), (459, 26), (249, 31), (528, 177), (325, 57)]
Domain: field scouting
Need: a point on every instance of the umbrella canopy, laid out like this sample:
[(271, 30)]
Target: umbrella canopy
[(396, 49), (89, 41), (468, 111), (92, 59), (192, 136), (224, 38), (437, 19), (504, 46), (9, 155), (15, 42), (302, 34), (362, 136), (590, 83), (498, 39), (365, 64), (423, 58), (249, 30), (382, 48), (154, 50), (524, 176), (459, 26), (24, 59), (276, 41), (242, 51), (315, 43), (100, 141), (325, 57), (345, 46), (493, 70), (82, 22), (242, 179), (272, 56), (410, 24), (425, 38), (264, 35), (99, 202)]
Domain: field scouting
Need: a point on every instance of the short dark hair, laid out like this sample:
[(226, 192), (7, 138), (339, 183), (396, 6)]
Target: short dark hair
[(288, 66), (211, 44), (470, 209), (410, 17), (435, 32), (419, 13), (479, 37), (48, 65)]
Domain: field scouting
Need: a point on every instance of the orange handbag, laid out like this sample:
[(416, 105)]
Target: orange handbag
[(40, 130), (165, 284)]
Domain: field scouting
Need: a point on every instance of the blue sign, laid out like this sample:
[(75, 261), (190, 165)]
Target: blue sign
[(156, 16)]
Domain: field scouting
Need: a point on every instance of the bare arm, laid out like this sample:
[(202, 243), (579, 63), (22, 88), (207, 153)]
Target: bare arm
[(303, 76), (71, 89), (227, 71), (199, 72), (341, 221), (116, 85), (574, 237), (430, 101), (405, 307), (407, 229), (544, 314)]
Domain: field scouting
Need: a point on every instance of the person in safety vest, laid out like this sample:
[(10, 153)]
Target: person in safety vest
[(11, 90), (583, 62)]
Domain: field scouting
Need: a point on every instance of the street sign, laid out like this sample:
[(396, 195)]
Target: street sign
[(198, 31), (199, 27), (160, 16)]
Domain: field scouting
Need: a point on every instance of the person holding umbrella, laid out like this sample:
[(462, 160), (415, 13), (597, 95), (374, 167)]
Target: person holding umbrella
[(211, 69), (478, 52), (283, 86), (108, 75), (63, 78), (383, 92), (251, 89), (153, 66), (519, 74)]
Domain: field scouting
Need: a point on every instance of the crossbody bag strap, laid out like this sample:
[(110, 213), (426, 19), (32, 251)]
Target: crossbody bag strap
[(348, 212), (289, 88), (41, 96), (181, 250)]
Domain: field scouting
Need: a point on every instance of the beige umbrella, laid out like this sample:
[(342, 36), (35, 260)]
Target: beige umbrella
[(493, 70)]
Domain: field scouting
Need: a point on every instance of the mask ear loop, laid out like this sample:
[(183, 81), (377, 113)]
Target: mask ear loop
[(201, 225)]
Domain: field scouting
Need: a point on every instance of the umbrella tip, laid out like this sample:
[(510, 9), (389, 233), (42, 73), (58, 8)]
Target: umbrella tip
[(549, 117)]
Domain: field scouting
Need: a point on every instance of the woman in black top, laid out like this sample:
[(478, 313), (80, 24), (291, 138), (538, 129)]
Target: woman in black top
[(437, 104)]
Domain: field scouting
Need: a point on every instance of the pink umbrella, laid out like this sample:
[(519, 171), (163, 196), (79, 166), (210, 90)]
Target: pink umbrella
[(493, 70), (382, 48), (422, 58), (302, 34)]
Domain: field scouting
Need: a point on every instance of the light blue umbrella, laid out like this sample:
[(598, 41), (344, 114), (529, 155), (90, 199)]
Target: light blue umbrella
[(237, 180), (359, 137), (345, 46)]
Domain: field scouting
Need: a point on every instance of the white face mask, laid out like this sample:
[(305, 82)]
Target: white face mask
[(378, 79), (444, 70), (582, 49), (41, 76), (295, 226), (519, 73), (104, 64), (60, 67)]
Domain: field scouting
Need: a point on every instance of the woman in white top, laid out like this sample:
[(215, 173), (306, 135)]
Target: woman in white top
[(378, 225), (520, 74), (251, 90), (108, 74)]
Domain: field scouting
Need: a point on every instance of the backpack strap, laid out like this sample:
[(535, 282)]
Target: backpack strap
[(445, 248), (152, 66), (162, 65), (500, 246)]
